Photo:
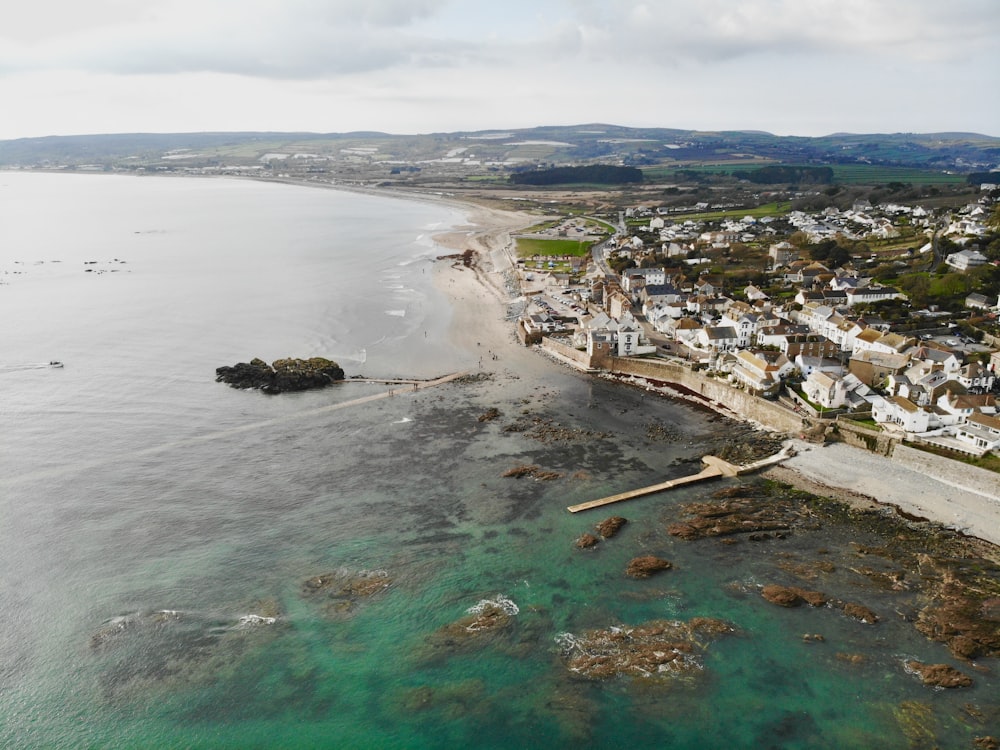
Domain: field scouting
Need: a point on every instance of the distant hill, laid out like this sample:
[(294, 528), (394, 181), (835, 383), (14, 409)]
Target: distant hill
[(501, 150)]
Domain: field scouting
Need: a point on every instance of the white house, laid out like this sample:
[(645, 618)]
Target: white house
[(981, 431), (903, 412), (871, 294), (963, 260), (826, 389), (717, 339), (760, 371)]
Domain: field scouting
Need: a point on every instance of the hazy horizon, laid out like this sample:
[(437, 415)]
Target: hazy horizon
[(432, 66)]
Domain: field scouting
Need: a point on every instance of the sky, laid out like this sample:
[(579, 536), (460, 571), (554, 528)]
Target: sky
[(789, 67)]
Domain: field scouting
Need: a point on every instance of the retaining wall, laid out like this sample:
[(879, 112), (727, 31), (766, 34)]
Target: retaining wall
[(876, 441)]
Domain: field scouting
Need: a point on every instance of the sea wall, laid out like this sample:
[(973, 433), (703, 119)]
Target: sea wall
[(581, 358), (716, 390), (947, 470)]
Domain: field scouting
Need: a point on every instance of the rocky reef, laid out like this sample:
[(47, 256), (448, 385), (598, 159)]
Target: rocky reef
[(645, 566), (341, 591), (282, 376), (656, 649), (938, 675)]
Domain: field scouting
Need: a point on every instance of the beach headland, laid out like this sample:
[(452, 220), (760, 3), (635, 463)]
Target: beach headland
[(484, 294)]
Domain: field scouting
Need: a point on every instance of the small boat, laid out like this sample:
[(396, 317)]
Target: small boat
[(55, 363)]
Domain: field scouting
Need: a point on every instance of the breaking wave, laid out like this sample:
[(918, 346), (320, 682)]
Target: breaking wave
[(501, 602)]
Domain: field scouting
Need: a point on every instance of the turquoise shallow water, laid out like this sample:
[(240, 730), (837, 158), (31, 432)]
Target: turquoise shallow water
[(146, 510)]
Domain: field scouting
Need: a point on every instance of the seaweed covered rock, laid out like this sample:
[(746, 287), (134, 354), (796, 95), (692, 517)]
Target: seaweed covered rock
[(655, 649), (488, 617), (343, 590), (645, 566), (610, 526), (860, 612), (736, 511), (963, 605), (281, 376), (938, 675), (792, 596)]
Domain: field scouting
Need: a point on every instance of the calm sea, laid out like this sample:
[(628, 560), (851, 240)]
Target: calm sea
[(152, 520)]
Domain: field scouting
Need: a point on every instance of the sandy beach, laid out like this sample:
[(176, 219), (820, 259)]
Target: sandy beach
[(482, 296)]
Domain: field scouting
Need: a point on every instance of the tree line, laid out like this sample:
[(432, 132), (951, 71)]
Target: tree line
[(597, 174)]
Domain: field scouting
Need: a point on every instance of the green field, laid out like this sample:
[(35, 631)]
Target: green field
[(870, 174), (767, 209), (850, 174), (531, 246)]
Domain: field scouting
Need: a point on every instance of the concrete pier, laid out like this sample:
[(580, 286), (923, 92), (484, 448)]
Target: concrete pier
[(714, 467)]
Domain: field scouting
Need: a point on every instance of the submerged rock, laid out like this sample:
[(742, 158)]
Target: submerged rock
[(153, 650), (537, 472), (344, 589), (345, 583), (283, 375), (644, 567)]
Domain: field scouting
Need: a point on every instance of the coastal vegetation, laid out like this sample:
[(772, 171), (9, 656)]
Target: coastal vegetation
[(780, 173)]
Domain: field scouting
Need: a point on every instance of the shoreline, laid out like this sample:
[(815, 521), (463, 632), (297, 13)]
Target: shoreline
[(480, 301), (859, 478)]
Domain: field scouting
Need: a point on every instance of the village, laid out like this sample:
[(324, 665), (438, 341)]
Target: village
[(824, 340)]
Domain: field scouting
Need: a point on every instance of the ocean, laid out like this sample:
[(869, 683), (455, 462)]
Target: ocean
[(186, 565)]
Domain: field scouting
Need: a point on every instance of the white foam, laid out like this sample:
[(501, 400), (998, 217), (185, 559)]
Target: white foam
[(251, 621), (499, 601), (396, 313)]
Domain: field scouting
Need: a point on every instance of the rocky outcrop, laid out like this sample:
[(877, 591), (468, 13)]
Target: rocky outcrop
[(735, 510), (537, 472), (939, 675), (586, 540), (644, 567), (488, 617), (281, 376), (792, 596), (610, 526), (964, 615), (860, 612), (656, 649)]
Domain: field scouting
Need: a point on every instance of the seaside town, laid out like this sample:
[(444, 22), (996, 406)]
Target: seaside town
[(814, 330)]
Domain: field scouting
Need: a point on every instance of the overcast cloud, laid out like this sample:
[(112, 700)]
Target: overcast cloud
[(804, 67)]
